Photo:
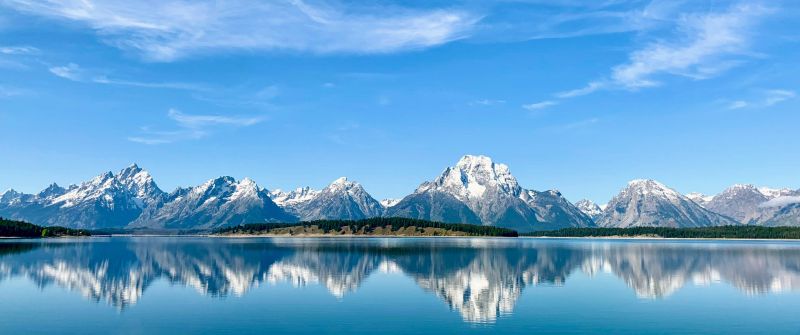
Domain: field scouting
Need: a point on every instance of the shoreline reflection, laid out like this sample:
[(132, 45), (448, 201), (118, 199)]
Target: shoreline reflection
[(481, 279)]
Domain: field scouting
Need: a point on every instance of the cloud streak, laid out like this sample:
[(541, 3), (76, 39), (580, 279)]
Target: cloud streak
[(703, 46), (540, 105), (770, 98), (18, 50), (166, 30), (190, 127), (76, 73), (703, 52)]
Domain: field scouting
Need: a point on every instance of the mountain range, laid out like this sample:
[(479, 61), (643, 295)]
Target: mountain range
[(475, 190)]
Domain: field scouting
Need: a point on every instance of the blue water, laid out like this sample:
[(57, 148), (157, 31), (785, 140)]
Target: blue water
[(162, 285)]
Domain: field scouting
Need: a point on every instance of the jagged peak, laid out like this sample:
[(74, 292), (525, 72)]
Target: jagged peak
[(738, 187), (342, 184), (51, 190), (10, 194), (132, 167), (776, 192), (652, 187), (472, 176), (215, 182), (646, 183), (474, 160), (298, 195), (480, 163), (103, 176), (132, 170), (389, 202), (700, 198), (247, 182)]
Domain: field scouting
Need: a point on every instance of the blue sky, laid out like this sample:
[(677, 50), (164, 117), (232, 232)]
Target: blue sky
[(582, 98)]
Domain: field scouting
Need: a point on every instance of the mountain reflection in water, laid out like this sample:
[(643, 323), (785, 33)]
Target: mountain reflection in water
[(480, 278)]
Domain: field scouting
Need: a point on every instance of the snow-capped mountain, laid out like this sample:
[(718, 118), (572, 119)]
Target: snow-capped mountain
[(476, 190), (779, 211), (292, 198), (107, 200), (13, 198), (650, 203), (477, 187), (131, 198), (389, 202), (699, 198), (341, 200), (749, 204), (589, 208), (223, 201)]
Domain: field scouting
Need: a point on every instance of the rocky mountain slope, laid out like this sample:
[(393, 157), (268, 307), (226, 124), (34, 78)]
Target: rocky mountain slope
[(589, 208), (650, 203), (341, 200), (131, 198), (749, 204), (478, 190)]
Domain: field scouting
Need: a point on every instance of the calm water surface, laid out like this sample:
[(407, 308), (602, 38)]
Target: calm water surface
[(160, 285)]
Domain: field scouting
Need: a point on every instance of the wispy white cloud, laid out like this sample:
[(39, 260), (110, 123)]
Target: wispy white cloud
[(165, 30), (781, 201), (76, 73), (167, 85), (704, 45), (18, 50), (70, 71), (770, 98), (738, 104), (589, 88), (201, 121), (190, 127), (778, 96), (487, 102), (540, 105), (703, 51)]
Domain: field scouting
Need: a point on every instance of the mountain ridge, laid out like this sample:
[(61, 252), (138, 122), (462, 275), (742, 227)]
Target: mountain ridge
[(475, 190)]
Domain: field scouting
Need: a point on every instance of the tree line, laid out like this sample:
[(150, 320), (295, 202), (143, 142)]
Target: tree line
[(12, 228), (369, 225)]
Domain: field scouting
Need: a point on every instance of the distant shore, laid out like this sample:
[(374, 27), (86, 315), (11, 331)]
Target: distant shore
[(330, 236)]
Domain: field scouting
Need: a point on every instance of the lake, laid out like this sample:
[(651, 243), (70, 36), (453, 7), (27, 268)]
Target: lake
[(177, 285)]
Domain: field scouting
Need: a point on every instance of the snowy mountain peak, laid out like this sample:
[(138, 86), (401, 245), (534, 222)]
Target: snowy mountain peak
[(299, 195), (342, 199), (10, 196), (646, 202), (469, 161), (489, 191), (53, 190), (139, 182), (699, 198), (102, 179), (589, 208), (247, 182), (775, 192), (341, 184), (472, 176), (389, 202), (652, 187)]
